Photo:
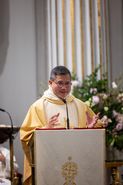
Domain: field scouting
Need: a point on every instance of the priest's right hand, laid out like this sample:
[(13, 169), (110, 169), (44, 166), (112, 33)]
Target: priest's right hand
[(53, 121)]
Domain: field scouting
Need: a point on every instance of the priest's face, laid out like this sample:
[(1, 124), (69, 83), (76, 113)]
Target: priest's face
[(61, 85)]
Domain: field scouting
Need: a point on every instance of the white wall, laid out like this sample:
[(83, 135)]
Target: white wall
[(17, 62)]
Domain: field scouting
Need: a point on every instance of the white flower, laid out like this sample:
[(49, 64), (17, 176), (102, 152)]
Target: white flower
[(120, 97), (104, 96), (75, 83), (93, 90), (114, 85), (106, 109), (105, 120), (114, 113)]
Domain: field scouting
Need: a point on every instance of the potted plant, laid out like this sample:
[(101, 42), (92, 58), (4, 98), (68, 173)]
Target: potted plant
[(106, 100)]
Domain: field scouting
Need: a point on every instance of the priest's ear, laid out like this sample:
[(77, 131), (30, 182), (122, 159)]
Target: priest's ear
[(50, 82)]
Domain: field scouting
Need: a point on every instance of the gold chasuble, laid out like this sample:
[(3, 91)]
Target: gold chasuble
[(38, 116)]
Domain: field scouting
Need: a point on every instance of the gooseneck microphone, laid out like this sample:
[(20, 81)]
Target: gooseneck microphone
[(11, 146), (68, 123), (3, 110)]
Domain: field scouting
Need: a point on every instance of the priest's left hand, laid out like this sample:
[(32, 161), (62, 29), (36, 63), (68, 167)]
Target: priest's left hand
[(91, 121)]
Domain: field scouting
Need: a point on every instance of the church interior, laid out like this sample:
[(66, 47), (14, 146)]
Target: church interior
[(37, 35)]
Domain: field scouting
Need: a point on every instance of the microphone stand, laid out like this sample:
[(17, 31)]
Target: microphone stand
[(11, 138), (68, 122)]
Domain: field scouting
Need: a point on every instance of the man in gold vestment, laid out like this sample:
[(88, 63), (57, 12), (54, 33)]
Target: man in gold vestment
[(50, 112)]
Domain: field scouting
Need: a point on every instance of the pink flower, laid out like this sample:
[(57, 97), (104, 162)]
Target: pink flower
[(119, 126), (95, 100)]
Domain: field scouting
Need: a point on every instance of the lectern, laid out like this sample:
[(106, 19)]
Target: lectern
[(7, 132), (68, 157)]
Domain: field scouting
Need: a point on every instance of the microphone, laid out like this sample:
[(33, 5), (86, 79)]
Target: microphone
[(68, 122), (11, 146), (3, 110)]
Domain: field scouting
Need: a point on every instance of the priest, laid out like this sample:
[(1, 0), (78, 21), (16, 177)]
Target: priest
[(56, 108)]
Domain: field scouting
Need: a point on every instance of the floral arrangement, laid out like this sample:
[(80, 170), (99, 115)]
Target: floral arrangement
[(108, 101)]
